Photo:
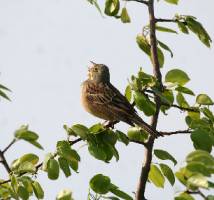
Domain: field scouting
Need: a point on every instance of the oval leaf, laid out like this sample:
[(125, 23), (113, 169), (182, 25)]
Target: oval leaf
[(156, 177), (164, 155), (100, 184), (177, 76)]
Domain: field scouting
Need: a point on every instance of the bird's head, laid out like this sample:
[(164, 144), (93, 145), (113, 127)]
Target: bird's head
[(98, 73)]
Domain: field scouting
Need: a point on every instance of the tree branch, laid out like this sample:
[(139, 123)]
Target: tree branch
[(165, 20), (176, 132), (139, 1), (9, 145), (4, 162), (191, 109), (197, 192), (37, 166), (140, 195)]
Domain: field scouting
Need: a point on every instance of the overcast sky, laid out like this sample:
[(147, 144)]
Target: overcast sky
[(45, 48)]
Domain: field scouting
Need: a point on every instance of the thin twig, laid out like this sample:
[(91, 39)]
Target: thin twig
[(176, 132), (190, 109), (165, 20), (9, 145), (3, 161), (197, 192)]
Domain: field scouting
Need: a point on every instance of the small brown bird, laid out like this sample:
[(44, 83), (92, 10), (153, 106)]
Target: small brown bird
[(103, 100)]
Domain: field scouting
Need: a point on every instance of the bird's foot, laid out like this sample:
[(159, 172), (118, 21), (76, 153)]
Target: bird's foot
[(110, 124)]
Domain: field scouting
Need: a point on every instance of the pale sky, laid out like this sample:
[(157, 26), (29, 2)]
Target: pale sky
[(45, 48)]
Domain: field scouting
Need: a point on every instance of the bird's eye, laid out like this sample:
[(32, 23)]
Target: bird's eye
[(95, 69)]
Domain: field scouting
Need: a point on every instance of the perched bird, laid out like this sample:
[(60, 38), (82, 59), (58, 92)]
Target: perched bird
[(103, 100)]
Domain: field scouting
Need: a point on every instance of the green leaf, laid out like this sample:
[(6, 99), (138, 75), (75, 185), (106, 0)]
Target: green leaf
[(184, 90), (74, 165), (96, 128), (80, 130), (2, 94), (64, 165), (125, 16), (36, 144), (31, 158), (4, 88), (26, 167), (100, 184), (23, 193), (27, 183), (172, 1), (168, 173), (197, 28), (37, 189), (164, 155), (160, 57), (182, 27), (26, 135), (48, 156), (64, 195), (165, 29), (97, 152), (210, 197), (208, 113), (204, 99), (166, 97), (201, 140), (120, 194), (122, 137), (14, 182), (156, 177), (128, 93), (198, 180), (177, 76), (203, 157), (112, 7), (198, 167), (137, 134), (65, 151), (94, 2), (53, 169), (143, 44), (144, 104), (164, 46), (181, 100), (184, 196)]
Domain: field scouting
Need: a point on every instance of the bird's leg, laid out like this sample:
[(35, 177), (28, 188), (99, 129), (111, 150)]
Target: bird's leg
[(110, 124)]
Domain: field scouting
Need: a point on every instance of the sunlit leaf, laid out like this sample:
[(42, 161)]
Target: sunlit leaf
[(125, 16), (37, 189), (177, 76), (165, 29), (204, 99), (156, 177), (164, 46), (168, 173)]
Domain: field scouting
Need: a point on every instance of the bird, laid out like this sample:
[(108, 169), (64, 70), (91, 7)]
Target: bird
[(101, 99)]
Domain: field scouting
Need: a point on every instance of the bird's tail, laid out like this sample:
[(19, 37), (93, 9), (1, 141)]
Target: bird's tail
[(138, 121)]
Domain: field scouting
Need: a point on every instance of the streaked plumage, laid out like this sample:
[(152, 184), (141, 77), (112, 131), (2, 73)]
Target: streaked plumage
[(103, 100)]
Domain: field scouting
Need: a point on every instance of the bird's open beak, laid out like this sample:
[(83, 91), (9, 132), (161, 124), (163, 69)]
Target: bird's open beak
[(93, 63)]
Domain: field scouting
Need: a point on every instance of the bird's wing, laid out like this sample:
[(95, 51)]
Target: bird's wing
[(107, 95)]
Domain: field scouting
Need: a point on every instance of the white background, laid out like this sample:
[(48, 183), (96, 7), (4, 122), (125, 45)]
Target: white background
[(45, 48)]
